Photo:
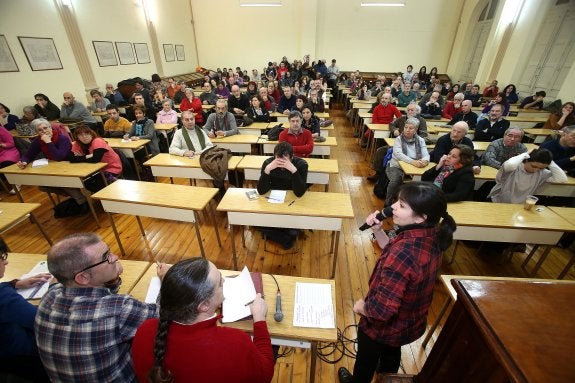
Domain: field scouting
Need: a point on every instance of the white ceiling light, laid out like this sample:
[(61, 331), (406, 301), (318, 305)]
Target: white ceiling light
[(381, 4)]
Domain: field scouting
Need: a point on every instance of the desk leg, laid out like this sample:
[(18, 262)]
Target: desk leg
[(234, 247), (312, 361), (144, 236), (198, 235), (436, 322), (33, 219), (567, 267), (18, 194), (91, 204), (211, 210), (528, 258), (541, 260), (136, 166), (335, 255), (111, 217), (454, 252)]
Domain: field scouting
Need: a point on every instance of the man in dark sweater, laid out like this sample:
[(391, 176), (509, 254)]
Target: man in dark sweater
[(283, 171), (493, 127), (563, 149), (238, 102), (446, 142), (466, 115)]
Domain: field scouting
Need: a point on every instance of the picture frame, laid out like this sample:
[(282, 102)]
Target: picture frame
[(169, 53), (41, 53), (105, 53), (125, 53), (142, 53), (7, 62), (180, 53)]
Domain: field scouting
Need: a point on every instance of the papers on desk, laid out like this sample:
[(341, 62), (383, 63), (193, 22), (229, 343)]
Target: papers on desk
[(40, 162), (313, 306), (153, 290), (238, 291), (35, 292), (277, 196)]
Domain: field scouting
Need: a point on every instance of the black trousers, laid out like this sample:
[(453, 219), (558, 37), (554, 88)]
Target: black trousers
[(372, 356)]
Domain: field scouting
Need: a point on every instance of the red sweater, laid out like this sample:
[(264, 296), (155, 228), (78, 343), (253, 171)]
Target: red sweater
[(206, 352), (450, 110), (384, 114), (195, 106), (302, 143)]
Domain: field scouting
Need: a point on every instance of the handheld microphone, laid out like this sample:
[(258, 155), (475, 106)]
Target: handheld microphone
[(278, 316), (387, 212)]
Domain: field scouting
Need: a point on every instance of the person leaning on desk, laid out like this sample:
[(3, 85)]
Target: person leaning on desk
[(186, 344)]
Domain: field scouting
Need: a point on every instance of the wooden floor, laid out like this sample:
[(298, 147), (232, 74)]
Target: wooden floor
[(173, 241)]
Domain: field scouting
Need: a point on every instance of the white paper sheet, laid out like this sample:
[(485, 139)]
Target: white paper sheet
[(277, 196), (40, 162), (313, 305), (35, 292), (153, 290), (238, 291)]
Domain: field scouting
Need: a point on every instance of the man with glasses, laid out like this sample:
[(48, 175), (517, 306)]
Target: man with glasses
[(83, 327), (504, 148)]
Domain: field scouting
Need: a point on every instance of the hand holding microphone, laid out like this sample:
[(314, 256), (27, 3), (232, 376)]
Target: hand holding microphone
[(387, 212)]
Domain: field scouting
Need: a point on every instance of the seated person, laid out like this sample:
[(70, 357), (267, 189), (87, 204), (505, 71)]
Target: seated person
[(186, 340), (511, 94), (407, 96), (431, 109), (179, 94), (238, 102), (522, 175), (454, 174), (9, 153), (100, 102), (208, 97), (410, 148), (283, 171), (222, 90), (88, 147), (563, 118), (440, 99), (267, 101), (286, 102), (167, 115), (466, 115), (55, 147), (384, 113), (141, 101), (563, 149), (72, 109), (190, 140), (310, 121), (7, 120), (221, 123), (173, 88), (115, 126), (498, 99), (533, 102), (316, 103), (143, 128), (412, 110), (257, 112), (300, 139), (252, 89), (194, 104), (46, 108), (493, 127), (83, 328), (18, 352), (363, 93), (474, 96), (446, 142), (453, 108), (114, 95), (159, 99), (501, 150), (491, 90)]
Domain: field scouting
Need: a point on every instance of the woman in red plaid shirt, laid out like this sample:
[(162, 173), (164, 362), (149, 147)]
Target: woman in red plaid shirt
[(394, 311)]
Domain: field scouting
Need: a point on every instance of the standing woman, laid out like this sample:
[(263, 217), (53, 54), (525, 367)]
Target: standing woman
[(194, 104), (394, 311)]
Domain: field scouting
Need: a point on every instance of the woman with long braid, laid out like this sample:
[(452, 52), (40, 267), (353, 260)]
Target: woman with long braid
[(186, 344)]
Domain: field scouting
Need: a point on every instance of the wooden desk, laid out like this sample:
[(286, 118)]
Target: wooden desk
[(22, 263), (319, 169), (168, 165), (539, 135), (165, 129), (506, 222), (282, 333), (129, 148), (11, 214), (319, 148), (254, 129), (480, 147), (238, 143), (55, 174), (525, 122), (314, 210), (505, 331), (157, 200)]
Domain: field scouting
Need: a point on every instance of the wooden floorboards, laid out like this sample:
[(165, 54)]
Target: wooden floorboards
[(172, 241)]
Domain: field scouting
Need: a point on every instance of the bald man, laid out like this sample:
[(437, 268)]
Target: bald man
[(71, 108), (238, 102)]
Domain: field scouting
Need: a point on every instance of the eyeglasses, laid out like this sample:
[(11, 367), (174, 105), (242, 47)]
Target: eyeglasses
[(106, 257), (3, 256)]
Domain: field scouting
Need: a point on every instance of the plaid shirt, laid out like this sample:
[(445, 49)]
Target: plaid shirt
[(85, 334), (401, 287)]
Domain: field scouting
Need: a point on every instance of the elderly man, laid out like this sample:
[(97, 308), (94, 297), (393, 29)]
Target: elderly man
[(412, 110), (446, 142), (432, 109), (300, 139), (75, 109), (83, 327), (221, 123), (563, 149), (267, 101), (504, 148), (238, 102), (287, 102), (208, 97), (440, 100), (493, 127), (453, 108), (191, 139), (113, 95), (466, 115), (115, 126)]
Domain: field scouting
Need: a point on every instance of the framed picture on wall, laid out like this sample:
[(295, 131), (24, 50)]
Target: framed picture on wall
[(41, 53), (125, 53), (180, 54), (7, 62), (169, 52), (142, 53), (105, 53)]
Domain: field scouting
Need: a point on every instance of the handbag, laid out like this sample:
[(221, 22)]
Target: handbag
[(274, 132)]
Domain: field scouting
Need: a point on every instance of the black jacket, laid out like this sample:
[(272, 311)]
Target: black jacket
[(458, 186)]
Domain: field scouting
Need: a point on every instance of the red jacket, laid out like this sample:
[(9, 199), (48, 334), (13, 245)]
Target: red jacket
[(302, 143), (195, 106), (384, 114), (450, 110)]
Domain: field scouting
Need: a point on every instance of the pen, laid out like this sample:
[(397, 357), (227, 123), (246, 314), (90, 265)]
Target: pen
[(249, 303), (291, 203)]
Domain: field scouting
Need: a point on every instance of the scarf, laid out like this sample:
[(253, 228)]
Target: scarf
[(188, 140), (415, 141), (140, 126), (217, 122), (44, 146), (445, 172)]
